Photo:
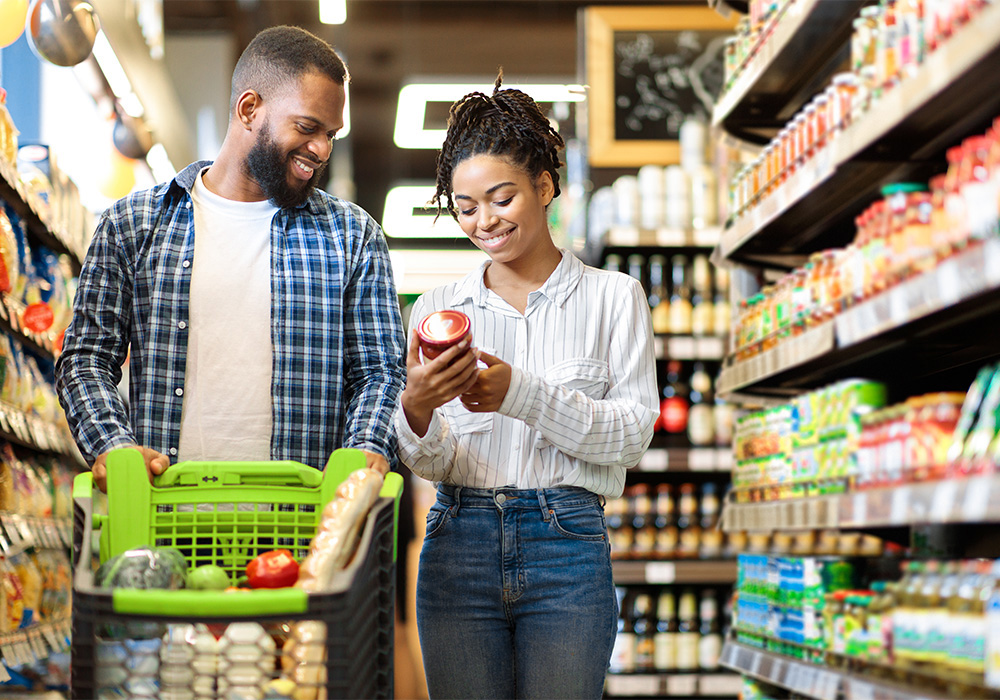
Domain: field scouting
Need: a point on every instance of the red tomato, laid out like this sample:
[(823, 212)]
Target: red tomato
[(277, 569)]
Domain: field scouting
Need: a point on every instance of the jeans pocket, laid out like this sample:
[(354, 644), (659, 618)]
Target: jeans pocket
[(584, 522), (437, 516)]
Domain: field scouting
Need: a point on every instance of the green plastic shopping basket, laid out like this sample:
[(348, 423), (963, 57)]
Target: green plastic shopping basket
[(226, 513)]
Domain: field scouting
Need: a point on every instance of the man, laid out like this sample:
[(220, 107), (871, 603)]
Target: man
[(272, 334)]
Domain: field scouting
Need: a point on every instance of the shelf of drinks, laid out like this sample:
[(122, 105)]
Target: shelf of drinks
[(695, 459), (783, 67), (950, 95), (633, 236), (971, 499), (689, 347), (908, 326), (685, 685), (814, 680), (27, 206)]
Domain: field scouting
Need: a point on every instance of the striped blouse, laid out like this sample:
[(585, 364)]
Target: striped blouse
[(582, 397)]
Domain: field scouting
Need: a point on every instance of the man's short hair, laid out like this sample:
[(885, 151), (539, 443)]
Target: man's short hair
[(279, 55)]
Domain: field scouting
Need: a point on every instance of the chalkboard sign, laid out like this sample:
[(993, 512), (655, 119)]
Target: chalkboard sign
[(663, 77), (648, 68)]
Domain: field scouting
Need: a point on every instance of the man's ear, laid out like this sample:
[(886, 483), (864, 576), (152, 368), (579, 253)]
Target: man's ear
[(248, 105)]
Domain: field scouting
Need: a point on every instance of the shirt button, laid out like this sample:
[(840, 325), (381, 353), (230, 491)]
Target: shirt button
[(182, 325), (179, 391), (186, 263), (501, 498), (173, 450)]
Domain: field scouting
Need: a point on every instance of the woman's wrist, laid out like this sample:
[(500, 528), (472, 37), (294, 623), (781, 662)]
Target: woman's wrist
[(418, 417)]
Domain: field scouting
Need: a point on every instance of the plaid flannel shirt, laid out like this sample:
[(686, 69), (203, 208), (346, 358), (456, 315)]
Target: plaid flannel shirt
[(339, 353)]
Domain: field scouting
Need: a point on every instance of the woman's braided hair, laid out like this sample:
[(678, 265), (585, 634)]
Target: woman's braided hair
[(507, 124)]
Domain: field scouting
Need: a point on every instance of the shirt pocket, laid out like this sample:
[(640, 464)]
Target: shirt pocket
[(582, 374)]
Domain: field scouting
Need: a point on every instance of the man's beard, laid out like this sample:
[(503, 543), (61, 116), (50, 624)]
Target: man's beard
[(268, 166)]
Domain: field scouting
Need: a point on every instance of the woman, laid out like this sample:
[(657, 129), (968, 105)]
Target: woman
[(514, 592)]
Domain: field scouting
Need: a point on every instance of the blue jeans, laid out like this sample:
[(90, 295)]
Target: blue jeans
[(515, 597)]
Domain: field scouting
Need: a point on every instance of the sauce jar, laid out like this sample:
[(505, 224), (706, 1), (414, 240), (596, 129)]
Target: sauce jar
[(439, 330)]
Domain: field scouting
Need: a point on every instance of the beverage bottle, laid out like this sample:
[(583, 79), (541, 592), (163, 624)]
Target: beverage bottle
[(667, 628), (659, 297), (644, 628), (688, 526), (613, 263), (702, 311), (643, 523), (637, 269), (710, 644), (687, 633), (623, 651), (721, 311), (711, 533), (674, 406), (680, 297), (666, 522), (701, 419)]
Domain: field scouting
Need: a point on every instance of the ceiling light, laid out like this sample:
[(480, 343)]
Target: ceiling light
[(110, 66), (408, 215), (332, 11), (159, 163), (411, 110)]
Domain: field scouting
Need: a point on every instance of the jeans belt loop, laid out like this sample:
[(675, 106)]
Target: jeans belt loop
[(458, 500), (602, 499), (543, 505)]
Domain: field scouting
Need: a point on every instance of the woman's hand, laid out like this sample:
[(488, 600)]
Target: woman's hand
[(436, 382), (490, 388)]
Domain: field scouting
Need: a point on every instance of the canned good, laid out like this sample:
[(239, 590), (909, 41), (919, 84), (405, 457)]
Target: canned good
[(439, 330)]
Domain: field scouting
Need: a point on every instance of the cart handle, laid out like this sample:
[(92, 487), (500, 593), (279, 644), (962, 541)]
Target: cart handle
[(240, 473)]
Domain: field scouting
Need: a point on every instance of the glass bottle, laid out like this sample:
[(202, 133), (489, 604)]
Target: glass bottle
[(666, 522), (659, 297), (721, 310), (711, 543), (702, 310), (687, 632), (636, 270), (623, 651), (701, 422), (613, 263), (710, 644), (674, 406), (644, 628), (688, 525), (667, 628), (643, 523), (680, 297)]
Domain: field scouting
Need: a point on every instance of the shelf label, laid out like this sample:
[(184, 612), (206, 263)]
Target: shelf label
[(671, 237), (860, 508), (720, 684), (710, 348), (654, 460), (900, 505), (661, 572), (633, 685), (859, 690), (702, 460), (977, 499), (683, 685), (943, 500), (682, 347)]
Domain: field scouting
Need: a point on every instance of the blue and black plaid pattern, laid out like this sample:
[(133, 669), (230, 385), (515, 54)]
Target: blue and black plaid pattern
[(338, 345)]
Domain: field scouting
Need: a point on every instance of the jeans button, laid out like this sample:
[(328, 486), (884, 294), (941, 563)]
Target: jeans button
[(501, 498)]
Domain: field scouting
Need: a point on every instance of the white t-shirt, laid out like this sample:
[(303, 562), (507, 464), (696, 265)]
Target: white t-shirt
[(227, 382)]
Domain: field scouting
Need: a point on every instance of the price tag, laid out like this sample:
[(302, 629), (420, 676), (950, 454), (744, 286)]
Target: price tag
[(672, 237), (943, 500), (755, 662), (661, 572), (708, 237), (51, 638), (825, 685), (717, 684), (900, 505), (860, 509), (683, 685), (682, 347), (858, 690), (701, 460), (624, 236), (977, 499), (632, 685), (654, 460), (725, 459), (659, 347), (710, 348)]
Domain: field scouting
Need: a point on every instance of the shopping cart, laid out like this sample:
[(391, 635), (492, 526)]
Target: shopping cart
[(226, 513)]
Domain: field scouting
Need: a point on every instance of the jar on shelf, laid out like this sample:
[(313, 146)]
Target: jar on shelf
[(918, 252), (896, 200), (974, 184)]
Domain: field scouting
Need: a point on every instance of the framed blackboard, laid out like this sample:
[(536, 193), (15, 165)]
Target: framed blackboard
[(648, 68)]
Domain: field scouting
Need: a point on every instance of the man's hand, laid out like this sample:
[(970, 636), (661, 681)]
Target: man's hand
[(373, 460), (491, 386), (435, 383), (156, 464)]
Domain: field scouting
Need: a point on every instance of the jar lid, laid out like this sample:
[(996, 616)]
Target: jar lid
[(443, 327)]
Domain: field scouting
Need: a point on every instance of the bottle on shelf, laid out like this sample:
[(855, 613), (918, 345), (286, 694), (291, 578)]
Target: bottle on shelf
[(712, 537), (680, 297), (710, 644), (613, 263), (636, 269), (643, 523), (659, 297), (644, 629), (623, 651), (688, 524), (687, 633), (667, 629), (721, 311), (701, 421), (702, 308), (666, 522), (674, 405)]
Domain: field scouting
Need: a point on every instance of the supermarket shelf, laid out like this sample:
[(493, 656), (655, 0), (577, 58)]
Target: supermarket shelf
[(34, 643), (672, 685), (812, 680), (912, 330), (13, 192), (808, 41), (20, 532), (657, 572), (11, 313), (30, 431), (816, 513), (628, 239), (904, 135), (816, 343), (957, 500), (689, 347), (696, 459)]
